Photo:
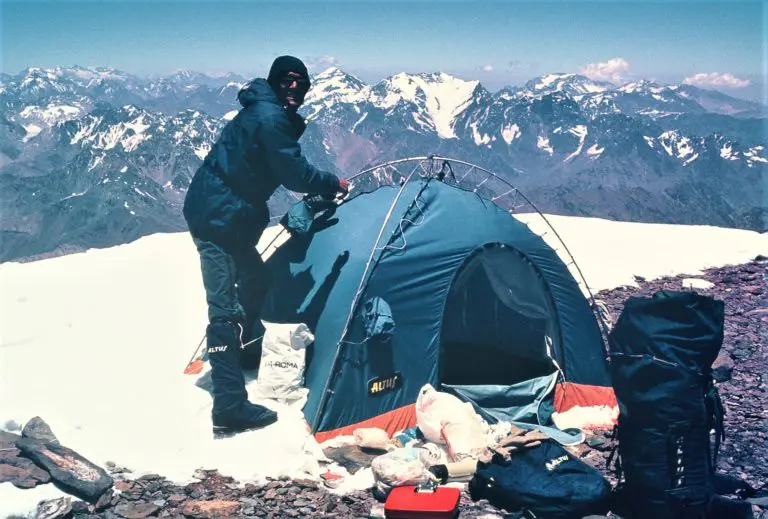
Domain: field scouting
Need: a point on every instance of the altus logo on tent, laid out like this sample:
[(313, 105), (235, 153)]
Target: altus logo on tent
[(553, 463), (380, 384)]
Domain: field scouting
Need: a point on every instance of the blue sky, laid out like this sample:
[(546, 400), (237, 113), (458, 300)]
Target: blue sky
[(715, 44)]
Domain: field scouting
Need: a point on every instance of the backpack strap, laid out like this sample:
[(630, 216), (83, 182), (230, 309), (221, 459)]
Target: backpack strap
[(617, 467), (717, 411)]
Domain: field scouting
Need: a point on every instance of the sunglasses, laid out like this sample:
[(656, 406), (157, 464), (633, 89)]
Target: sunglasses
[(287, 81)]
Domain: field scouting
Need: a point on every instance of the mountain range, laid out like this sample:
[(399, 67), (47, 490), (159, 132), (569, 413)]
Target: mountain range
[(94, 157)]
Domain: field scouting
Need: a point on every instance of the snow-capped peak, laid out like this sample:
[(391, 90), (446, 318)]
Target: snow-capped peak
[(574, 85), (547, 80), (441, 95), (185, 76), (37, 74), (332, 71), (189, 74), (42, 73), (641, 86), (335, 85)]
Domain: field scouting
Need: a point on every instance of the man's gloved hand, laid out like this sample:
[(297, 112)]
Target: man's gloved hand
[(319, 203), (343, 186)]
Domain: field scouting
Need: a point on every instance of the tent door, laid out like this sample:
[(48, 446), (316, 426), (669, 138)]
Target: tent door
[(498, 336), (499, 323)]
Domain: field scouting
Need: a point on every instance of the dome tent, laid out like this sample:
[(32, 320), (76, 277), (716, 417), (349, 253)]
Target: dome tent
[(426, 282)]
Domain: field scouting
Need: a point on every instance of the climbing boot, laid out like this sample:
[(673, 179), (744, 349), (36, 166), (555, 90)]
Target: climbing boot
[(232, 412)]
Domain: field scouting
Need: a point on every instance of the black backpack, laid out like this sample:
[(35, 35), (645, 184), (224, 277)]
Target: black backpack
[(544, 481), (662, 349)]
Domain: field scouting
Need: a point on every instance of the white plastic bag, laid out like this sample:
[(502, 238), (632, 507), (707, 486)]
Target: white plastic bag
[(283, 358), (403, 466), (434, 454), (464, 437), (432, 410), (372, 437), (446, 420)]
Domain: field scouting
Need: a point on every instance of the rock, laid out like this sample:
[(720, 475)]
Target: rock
[(176, 498), (8, 441), (104, 502), (72, 472), (12, 425), (54, 508), (722, 367), (353, 457), (16, 469), (27, 476), (37, 429), (306, 483), (123, 485), (136, 510), (152, 486), (598, 442), (114, 468), (195, 490), (79, 507), (210, 509)]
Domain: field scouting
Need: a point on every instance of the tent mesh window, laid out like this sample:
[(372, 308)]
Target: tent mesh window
[(496, 320)]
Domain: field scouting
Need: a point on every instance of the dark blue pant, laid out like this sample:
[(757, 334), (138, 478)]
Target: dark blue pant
[(235, 286)]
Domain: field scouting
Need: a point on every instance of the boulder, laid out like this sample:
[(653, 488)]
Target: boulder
[(37, 429), (70, 471)]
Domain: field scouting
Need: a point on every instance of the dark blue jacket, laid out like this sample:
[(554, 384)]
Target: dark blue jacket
[(256, 152)]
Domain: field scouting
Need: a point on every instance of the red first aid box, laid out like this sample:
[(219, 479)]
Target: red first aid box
[(410, 502)]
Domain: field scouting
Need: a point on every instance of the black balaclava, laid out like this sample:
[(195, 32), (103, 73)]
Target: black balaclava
[(280, 67)]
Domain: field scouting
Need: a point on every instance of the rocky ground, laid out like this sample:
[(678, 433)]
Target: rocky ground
[(740, 372)]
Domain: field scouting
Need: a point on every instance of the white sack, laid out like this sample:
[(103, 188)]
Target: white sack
[(283, 359)]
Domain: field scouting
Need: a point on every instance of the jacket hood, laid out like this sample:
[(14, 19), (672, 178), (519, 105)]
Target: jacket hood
[(255, 91), (259, 91)]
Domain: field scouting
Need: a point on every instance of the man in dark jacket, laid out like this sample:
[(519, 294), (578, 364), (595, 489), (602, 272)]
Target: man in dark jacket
[(226, 211)]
